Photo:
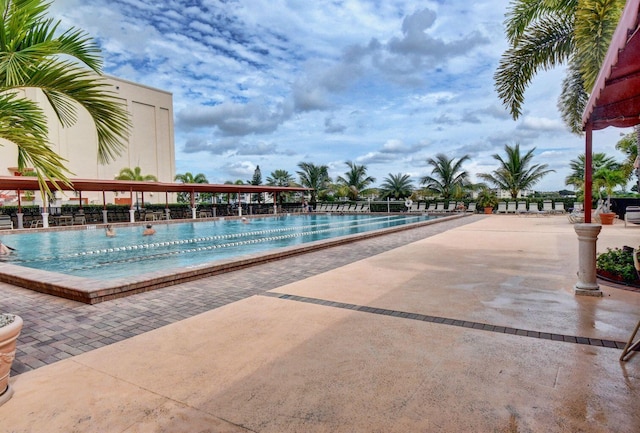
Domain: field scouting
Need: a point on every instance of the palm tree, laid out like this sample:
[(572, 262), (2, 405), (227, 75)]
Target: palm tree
[(135, 174), (281, 178), (355, 179), (398, 186), (576, 177), (314, 176), (446, 175), (546, 34), (515, 173), (66, 67), (608, 179), (188, 177)]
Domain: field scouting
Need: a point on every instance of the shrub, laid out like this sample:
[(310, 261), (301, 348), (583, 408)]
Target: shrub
[(618, 262)]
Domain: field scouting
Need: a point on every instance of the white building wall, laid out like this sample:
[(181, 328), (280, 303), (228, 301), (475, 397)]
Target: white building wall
[(150, 145)]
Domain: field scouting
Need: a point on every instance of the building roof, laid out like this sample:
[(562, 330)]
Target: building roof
[(27, 183), (615, 99)]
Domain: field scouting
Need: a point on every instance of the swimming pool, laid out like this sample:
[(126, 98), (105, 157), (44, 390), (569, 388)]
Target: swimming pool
[(177, 252)]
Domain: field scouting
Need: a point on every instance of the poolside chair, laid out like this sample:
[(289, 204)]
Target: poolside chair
[(440, 207), (502, 207), (547, 206), (559, 207), (432, 207), (632, 215), (578, 206), (471, 208), (533, 208), (521, 209), (451, 207), (6, 222), (511, 207)]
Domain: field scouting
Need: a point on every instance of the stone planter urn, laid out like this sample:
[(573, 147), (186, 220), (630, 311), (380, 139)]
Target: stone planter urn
[(10, 327)]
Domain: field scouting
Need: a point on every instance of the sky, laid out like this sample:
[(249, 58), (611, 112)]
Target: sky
[(383, 83)]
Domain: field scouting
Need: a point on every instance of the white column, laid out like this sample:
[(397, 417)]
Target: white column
[(132, 215), (193, 212), (20, 216), (587, 237), (105, 218), (45, 219)]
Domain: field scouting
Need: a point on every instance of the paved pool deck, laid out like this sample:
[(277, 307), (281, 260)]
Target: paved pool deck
[(470, 327)]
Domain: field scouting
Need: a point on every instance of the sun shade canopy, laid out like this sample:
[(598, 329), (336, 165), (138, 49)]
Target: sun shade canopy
[(615, 99)]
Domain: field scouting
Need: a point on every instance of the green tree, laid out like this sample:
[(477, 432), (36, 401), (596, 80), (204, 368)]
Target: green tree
[(398, 186), (515, 172), (356, 179), (314, 176), (256, 180), (576, 177), (188, 177), (65, 65), (606, 179), (628, 145), (446, 175), (546, 34), (135, 174), (281, 178)]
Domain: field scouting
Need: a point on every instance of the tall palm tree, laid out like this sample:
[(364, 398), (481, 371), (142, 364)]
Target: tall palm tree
[(314, 176), (66, 67), (516, 173), (546, 34), (136, 175), (281, 178), (188, 177), (446, 175), (398, 186), (576, 177), (355, 179)]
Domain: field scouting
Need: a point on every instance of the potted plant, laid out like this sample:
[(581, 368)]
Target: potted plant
[(10, 327), (607, 179), (618, 264), (487, 199)]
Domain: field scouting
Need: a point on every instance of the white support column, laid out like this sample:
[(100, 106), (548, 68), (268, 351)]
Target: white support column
[(45, 219), (20, 216), (105, 218), (587, 237), (193, 212), (132, 215)]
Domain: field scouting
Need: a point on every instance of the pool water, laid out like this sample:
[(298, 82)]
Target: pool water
[(89, 253)]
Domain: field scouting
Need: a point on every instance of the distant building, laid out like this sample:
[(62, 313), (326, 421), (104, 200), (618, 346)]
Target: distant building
[(150, 145)]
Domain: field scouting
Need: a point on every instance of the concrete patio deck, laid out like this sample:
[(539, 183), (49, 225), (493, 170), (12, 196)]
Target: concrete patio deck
[(474, 329)]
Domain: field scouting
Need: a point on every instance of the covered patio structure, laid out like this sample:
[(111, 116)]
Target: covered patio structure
[(614, 101), (27, 183)]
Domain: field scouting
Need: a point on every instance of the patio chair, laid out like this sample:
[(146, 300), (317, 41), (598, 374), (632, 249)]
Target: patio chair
[(521, 209), (559, 207), (472, 207), (511, 207), (6, 222), (533, 208), (451, 207), (440, 207), (422, 206), (632, 215), (502, 207), (547, 206), (432, 207)]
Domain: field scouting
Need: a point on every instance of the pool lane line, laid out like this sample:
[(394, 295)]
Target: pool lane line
[(611, 344)]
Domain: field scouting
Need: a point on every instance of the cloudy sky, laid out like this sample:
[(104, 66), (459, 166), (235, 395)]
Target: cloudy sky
[(384, 83)]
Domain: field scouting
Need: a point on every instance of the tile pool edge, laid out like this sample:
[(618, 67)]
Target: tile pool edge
[(91, 291)]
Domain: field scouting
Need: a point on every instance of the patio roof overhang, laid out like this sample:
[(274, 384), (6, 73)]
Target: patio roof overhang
[(31, 183), (615, 99)]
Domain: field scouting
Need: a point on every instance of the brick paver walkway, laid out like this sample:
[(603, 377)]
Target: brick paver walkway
[(57, 328)]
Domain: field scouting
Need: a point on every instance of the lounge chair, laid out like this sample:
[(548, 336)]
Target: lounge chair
[(559, 207), (533, 208), (472, 207), (6, 222), (521, 208), (632, 215), (502, 207), (451, 207), (547, 206), (578, 206), (440, 207), (511, 207), (432, 207), (422, 206)]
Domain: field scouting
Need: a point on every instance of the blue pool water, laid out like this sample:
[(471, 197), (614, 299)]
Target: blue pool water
[(89, 253)]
